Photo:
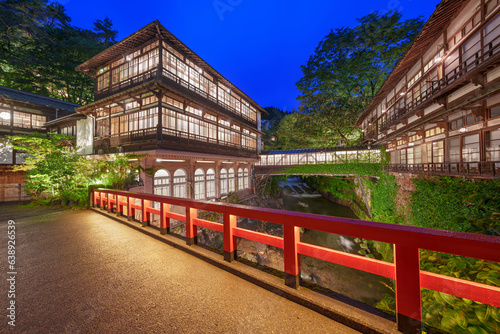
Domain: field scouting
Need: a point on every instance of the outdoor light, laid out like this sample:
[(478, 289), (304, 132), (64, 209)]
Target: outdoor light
[(383, 111), (228, 90), (462, 130), (402, 93), (4, 115), (169, 160), (128, 58), (133, 159), (205, 162), (228, 162), (200, 70), (438, 59), (411, 144)]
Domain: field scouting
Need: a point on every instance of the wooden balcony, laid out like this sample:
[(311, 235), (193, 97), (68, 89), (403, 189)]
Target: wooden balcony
[(477, 169), (180, 86), (458, 72), (168, 139)]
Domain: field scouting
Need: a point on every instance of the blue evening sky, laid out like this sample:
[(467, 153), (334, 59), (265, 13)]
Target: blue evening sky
[(258, 45)]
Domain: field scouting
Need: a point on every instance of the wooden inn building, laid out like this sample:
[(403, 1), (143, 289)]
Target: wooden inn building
[(23, 113), (154, 96), (438, 112)]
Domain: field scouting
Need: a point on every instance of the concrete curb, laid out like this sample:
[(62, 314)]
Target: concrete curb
[(337, 310)]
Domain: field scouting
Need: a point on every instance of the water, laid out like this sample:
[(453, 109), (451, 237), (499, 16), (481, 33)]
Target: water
[(358, 285)]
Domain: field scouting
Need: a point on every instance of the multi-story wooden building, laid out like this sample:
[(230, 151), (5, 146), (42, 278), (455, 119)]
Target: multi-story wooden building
[(439, 110), (23, 113), (155, 96)]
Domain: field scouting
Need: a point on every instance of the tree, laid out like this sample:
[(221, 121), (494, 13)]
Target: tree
[(53, 166), (40, 49), (349, 66)]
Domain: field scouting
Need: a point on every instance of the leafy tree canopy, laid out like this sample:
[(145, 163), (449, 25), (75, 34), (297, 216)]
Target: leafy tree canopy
[(347, 69), (40, 49), (53, 166)]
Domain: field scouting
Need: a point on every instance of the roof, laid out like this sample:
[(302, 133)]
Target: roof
[(324, 149), (66, 118), (145, 34), (19, 95), (443, 15)]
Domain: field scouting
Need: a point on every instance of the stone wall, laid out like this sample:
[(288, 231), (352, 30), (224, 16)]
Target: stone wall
[(405, 188)]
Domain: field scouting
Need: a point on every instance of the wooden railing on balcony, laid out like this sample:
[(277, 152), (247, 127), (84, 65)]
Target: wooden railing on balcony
[(125, 84), (485, 169), (153, 74), (407, 242), (173, 139)]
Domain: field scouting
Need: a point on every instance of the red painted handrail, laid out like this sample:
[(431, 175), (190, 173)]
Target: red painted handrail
[(407, 241)]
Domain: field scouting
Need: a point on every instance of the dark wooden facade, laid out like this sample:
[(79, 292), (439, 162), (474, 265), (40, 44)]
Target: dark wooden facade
[(152, 92), (155, 96), (438, 112), (23, 113)]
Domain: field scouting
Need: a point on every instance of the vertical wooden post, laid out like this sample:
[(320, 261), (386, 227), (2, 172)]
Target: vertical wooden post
[(130, 209), (146, 216), (291, 236), (95, 198), (164, 220), (229, 238), (108, 202), (101, 198), (408, 298), (119, 206), (191, 229)]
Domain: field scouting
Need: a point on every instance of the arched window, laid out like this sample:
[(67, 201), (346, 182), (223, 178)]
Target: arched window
[(162, 183), (240, 179), (180, 184), (199, 184), (223, 182), (245, 178), (210, 183), (230, 179)]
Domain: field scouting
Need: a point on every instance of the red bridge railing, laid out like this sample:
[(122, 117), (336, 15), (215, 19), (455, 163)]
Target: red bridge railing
[(407, 242)]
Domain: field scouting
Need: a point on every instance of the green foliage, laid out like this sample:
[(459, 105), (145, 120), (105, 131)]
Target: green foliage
[(340, 187), (450, 313), (348, 67), (53, 166), (456, 204), (383, 200), (40, 49)]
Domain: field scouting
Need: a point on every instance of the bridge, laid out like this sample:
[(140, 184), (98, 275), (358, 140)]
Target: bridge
[(407, 242), (279, 162)]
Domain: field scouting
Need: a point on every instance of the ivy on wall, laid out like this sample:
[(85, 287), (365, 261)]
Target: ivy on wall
[(456, 204)]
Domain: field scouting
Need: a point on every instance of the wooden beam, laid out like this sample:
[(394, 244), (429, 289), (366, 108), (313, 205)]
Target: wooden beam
[(478, 80)]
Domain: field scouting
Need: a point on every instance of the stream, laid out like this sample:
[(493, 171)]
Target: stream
[(355, 284)]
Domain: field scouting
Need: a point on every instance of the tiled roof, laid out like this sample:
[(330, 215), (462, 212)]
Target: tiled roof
[(19, 95)]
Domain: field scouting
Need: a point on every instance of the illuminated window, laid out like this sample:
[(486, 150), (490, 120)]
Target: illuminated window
[(240, 179), (223, 181), (210, 183), (245, 178), (180, 184), (199, 184), (231, 179), (162, 183), (434, 131)]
